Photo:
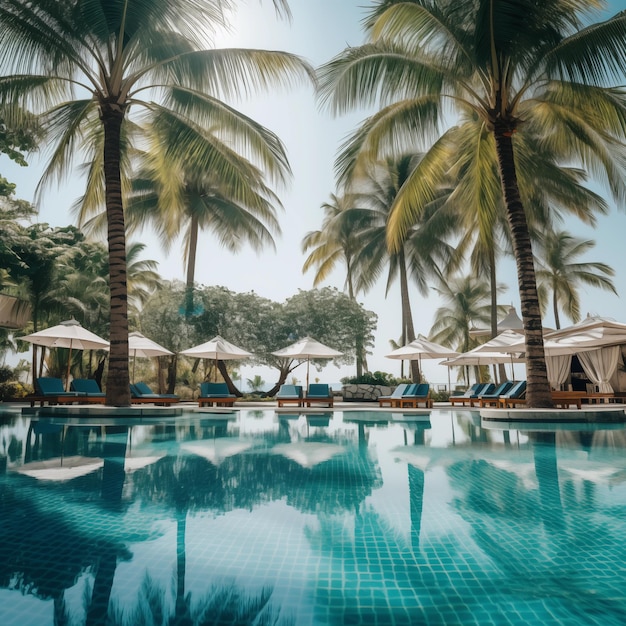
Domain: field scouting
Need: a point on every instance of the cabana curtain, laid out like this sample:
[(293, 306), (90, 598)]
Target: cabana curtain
[(558, 368), (600, 365)]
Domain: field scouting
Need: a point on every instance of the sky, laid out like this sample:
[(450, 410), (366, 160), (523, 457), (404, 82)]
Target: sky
[(318, 31)]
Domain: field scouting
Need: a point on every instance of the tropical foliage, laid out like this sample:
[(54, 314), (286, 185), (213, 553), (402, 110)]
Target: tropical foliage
[(355, 230), (559, 274), (85, 65), (256, 324)]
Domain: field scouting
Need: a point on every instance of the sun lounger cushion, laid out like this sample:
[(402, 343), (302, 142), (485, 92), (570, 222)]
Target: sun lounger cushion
[(496, 393), (87, 386), (48, 386), (142, 390), (291, 392), (214, 390), (516, 391), (318, 390), (420, 390)]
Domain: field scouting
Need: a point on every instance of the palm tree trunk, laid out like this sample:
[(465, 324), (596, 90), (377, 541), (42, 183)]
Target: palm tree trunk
[(118, 383), (555, 306), (493, 292), (192, 253), (361, 357), (408, 329), (538, 389)]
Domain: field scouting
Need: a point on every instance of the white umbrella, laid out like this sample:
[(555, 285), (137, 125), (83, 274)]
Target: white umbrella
[(307, 348), (508, 342), (217, 349), (140, 346), (422, 348), (69, 334)]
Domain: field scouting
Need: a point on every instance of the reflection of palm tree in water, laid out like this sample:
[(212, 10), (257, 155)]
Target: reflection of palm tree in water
[(416, 502), (544, 450), (224, 604), (113, 475)]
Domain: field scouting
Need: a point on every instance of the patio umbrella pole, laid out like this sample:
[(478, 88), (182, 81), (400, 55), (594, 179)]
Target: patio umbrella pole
[(67, 375)]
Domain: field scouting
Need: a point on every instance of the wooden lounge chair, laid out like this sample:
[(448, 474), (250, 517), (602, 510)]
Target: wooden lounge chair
[(395, 395), (565, 399), (560, 399), (416, 395), (215, 394), (319, 393), (89, 390), (140, 393), (50, 390), (290, 394), (493, 398), (469, 395)]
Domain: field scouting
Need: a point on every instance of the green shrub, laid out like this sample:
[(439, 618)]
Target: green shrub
[(12, 389), (374, 378)]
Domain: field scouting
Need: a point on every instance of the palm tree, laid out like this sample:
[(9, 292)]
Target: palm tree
[(256, 383), (338, 242), (424, 253), (548, 190), (177, 198), (518, 67), (559, 275), (466, 302), (85, 64)]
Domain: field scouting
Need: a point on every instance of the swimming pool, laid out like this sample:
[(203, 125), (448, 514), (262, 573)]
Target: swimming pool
[(350, 517)]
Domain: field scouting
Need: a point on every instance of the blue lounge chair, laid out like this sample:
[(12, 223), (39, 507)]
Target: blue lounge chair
[(89, 390), (140, 393), (51, 390), (416, 394), (487, 388), (470, 393), (319, 393), (514, 396), (493, 398), (395, 395), (215, 394), (48, 386), (290, 394)]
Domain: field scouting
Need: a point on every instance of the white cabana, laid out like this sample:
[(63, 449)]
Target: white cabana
[(599, 336), (595, 341)]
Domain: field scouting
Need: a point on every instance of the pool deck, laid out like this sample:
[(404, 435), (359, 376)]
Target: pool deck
[(596, 413)]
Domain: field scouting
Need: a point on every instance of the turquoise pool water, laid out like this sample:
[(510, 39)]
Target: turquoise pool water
[(354, 517)]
